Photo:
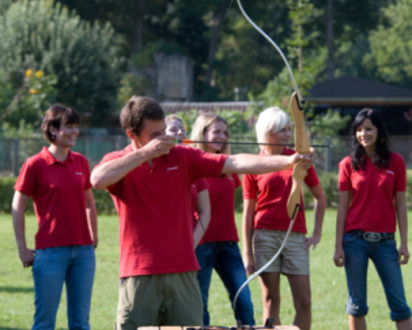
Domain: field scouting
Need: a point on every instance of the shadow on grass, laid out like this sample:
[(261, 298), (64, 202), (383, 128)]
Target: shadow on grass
[(12, 289), (7, 328)]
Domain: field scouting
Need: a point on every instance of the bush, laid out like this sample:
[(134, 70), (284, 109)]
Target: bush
[(104, 203), (83, 57), (329, 183), (6, 194)]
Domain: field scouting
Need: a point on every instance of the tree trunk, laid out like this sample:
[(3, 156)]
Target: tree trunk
[(137, 30), (216, 22), (330, 66)]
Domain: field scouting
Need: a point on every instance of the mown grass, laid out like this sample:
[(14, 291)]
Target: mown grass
[(327, 281)]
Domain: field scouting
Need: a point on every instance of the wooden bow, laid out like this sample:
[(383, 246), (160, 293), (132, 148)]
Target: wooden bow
[(301, 138), (301, 146)]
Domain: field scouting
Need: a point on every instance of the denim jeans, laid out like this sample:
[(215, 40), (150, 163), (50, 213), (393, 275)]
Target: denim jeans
[(385, 258), (225, 258), (73, 265)]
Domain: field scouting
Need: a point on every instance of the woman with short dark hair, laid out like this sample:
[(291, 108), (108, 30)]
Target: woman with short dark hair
[(58, 180)]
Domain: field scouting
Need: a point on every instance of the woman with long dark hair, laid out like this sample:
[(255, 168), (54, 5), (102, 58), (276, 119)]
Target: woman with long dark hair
[(372, 184)]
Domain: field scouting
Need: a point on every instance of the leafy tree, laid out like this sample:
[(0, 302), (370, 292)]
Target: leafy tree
[(391, 45), (352, 22), (306, 63), (36, 94), (83, 57)]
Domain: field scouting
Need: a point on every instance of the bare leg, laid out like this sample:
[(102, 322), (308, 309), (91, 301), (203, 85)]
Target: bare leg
[(269, 283), (300, 286), (404, 324), (357, 322)]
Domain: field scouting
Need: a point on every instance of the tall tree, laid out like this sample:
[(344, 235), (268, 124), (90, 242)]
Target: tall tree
[(391, 46), (330, 66), (216, 17)]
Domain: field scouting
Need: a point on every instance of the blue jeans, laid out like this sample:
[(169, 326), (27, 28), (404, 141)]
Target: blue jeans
[(73, 265), (225, 258), (385, 258)]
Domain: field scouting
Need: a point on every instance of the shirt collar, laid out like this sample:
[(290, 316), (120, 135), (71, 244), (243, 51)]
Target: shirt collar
[(50, 159)]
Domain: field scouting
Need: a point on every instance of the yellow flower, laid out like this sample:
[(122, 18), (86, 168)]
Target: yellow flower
[(29, 73), (39, 74), (34, 91)]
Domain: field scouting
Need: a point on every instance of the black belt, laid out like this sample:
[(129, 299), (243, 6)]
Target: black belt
[(371, 236)]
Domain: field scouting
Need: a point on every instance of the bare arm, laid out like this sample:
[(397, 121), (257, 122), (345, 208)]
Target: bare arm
[(320, 206), (256, 164), (204, 211), (400, 207), (91, 214), (343, 206), (18, 206), (247, 233), (114, 170)]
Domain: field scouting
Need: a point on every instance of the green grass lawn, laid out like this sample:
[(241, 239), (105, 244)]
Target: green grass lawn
[(327, 281)]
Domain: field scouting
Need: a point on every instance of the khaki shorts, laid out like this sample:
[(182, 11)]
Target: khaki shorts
[(163, 299), (293, 260)]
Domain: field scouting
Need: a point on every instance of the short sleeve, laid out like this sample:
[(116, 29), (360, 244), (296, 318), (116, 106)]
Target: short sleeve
[(26, 181), (344, 179), (249, 186)]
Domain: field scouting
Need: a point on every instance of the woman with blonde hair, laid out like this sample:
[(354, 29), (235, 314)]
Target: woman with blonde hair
[(266, 221), (218, 248)]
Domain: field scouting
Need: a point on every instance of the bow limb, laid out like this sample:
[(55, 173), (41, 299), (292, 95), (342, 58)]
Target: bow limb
[(277, 48), (301, 146)]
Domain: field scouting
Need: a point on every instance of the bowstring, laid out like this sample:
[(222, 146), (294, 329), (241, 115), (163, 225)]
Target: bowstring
[(282, 55), (299, 98)]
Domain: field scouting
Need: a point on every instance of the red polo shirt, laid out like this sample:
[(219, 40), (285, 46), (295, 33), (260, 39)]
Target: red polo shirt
[(271, 192), (222, 225), (57, 189), (154, 206), (373, 192), (197, 187)]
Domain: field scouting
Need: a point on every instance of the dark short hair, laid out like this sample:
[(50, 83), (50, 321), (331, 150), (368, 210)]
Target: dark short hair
[(136, 110), (56, 116)]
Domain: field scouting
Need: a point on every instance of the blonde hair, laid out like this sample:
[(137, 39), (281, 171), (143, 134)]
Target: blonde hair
[(202, 123), (271, 120), (173, 117)]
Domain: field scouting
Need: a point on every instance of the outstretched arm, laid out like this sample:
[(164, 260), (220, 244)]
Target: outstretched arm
[(256, 164)]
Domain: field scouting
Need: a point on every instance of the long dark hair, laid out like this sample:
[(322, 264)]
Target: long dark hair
[(382, 141)]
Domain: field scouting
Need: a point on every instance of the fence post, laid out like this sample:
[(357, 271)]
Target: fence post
[(15, 157), (328, 154), (118, 142)]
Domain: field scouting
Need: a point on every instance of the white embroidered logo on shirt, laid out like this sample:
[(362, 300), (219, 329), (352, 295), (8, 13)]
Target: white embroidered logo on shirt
[(390, 172), (172, 168), (79, 173)]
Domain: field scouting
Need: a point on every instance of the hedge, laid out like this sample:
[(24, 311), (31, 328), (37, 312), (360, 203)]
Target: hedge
[(104, 203)]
